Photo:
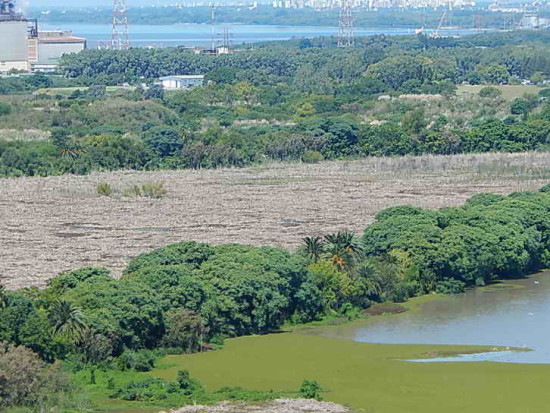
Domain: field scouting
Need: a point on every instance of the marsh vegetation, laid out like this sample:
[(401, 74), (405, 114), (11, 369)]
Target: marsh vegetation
[(60, 223)]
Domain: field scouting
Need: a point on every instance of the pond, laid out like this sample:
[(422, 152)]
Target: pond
[(514, 313)]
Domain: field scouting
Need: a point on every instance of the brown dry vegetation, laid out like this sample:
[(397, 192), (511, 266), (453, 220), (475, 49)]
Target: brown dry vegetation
[(59, 223)]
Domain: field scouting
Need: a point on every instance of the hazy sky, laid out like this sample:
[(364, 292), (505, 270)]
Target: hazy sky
[(56, 3)]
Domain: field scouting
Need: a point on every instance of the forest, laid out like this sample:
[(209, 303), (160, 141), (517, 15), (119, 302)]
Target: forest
[(267, 15), (189, 297), (290, 101)]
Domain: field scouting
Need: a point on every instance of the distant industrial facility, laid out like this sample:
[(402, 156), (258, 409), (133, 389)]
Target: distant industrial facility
[(25, 48), (181, 81)]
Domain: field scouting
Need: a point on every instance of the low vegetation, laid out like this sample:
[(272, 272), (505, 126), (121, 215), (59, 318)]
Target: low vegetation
[(149, 190), (104, 189)]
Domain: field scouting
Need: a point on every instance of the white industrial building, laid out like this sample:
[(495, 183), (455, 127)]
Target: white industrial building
[(181, 81), (25, 49), (50, 46), (14, 52)]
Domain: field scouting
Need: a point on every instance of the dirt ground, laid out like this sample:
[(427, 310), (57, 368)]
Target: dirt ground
[(57, 223)]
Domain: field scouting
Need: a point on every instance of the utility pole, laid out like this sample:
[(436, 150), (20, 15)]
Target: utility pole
[(346, 36), (119, 37), (212, 21)]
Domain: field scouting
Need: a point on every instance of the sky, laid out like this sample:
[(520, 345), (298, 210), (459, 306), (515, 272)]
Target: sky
[(79, 3)]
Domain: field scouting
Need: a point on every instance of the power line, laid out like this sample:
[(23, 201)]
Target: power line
[(119, 38), (346, 36)]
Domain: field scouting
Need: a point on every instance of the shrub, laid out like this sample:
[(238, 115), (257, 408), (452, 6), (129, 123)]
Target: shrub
[(310, 389), (154, 190), (143, 360), (104, 189), (450, 286), (489, 92), (150, 190), (149, 389), (5, 109), (312, 157), (25, 380), (133, 191), (187, 385)]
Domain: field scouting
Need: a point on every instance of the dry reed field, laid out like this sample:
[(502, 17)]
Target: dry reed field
[(59, 223)]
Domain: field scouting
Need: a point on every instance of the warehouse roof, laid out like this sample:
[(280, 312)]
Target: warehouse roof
[(63, 39)]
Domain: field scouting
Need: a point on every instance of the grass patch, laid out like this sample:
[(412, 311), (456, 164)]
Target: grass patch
[(370, 377), (104, 189), (66, 91), (150, 190), (509, 92)]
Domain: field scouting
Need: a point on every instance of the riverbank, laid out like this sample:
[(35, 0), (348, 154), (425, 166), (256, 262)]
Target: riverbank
[(363, 376), (385, 309)]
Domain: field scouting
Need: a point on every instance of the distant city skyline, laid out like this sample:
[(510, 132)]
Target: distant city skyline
[(101, 3)]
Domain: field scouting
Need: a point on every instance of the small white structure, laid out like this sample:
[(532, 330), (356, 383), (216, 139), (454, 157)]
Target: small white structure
[(181, 81)]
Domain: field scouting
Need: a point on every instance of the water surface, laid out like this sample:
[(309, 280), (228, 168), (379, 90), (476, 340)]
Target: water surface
[(200, 35), (515, 313)]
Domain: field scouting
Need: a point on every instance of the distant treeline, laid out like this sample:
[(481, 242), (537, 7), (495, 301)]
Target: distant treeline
[(471, 58), (267, 15), (312, 141)]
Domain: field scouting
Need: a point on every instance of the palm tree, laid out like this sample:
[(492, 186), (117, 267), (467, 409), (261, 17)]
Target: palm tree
[(314, 247), (67, 320), (72, 153), (344, 249)]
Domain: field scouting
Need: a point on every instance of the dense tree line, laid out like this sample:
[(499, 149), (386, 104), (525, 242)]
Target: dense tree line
[(267, 15), (463, 59), (138, 141)]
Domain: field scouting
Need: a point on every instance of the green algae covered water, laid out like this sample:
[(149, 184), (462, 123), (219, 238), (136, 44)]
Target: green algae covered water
[(515, 313)]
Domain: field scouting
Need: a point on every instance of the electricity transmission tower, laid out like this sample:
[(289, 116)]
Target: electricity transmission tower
[(226, 38), (119, 38), (346, 37)]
